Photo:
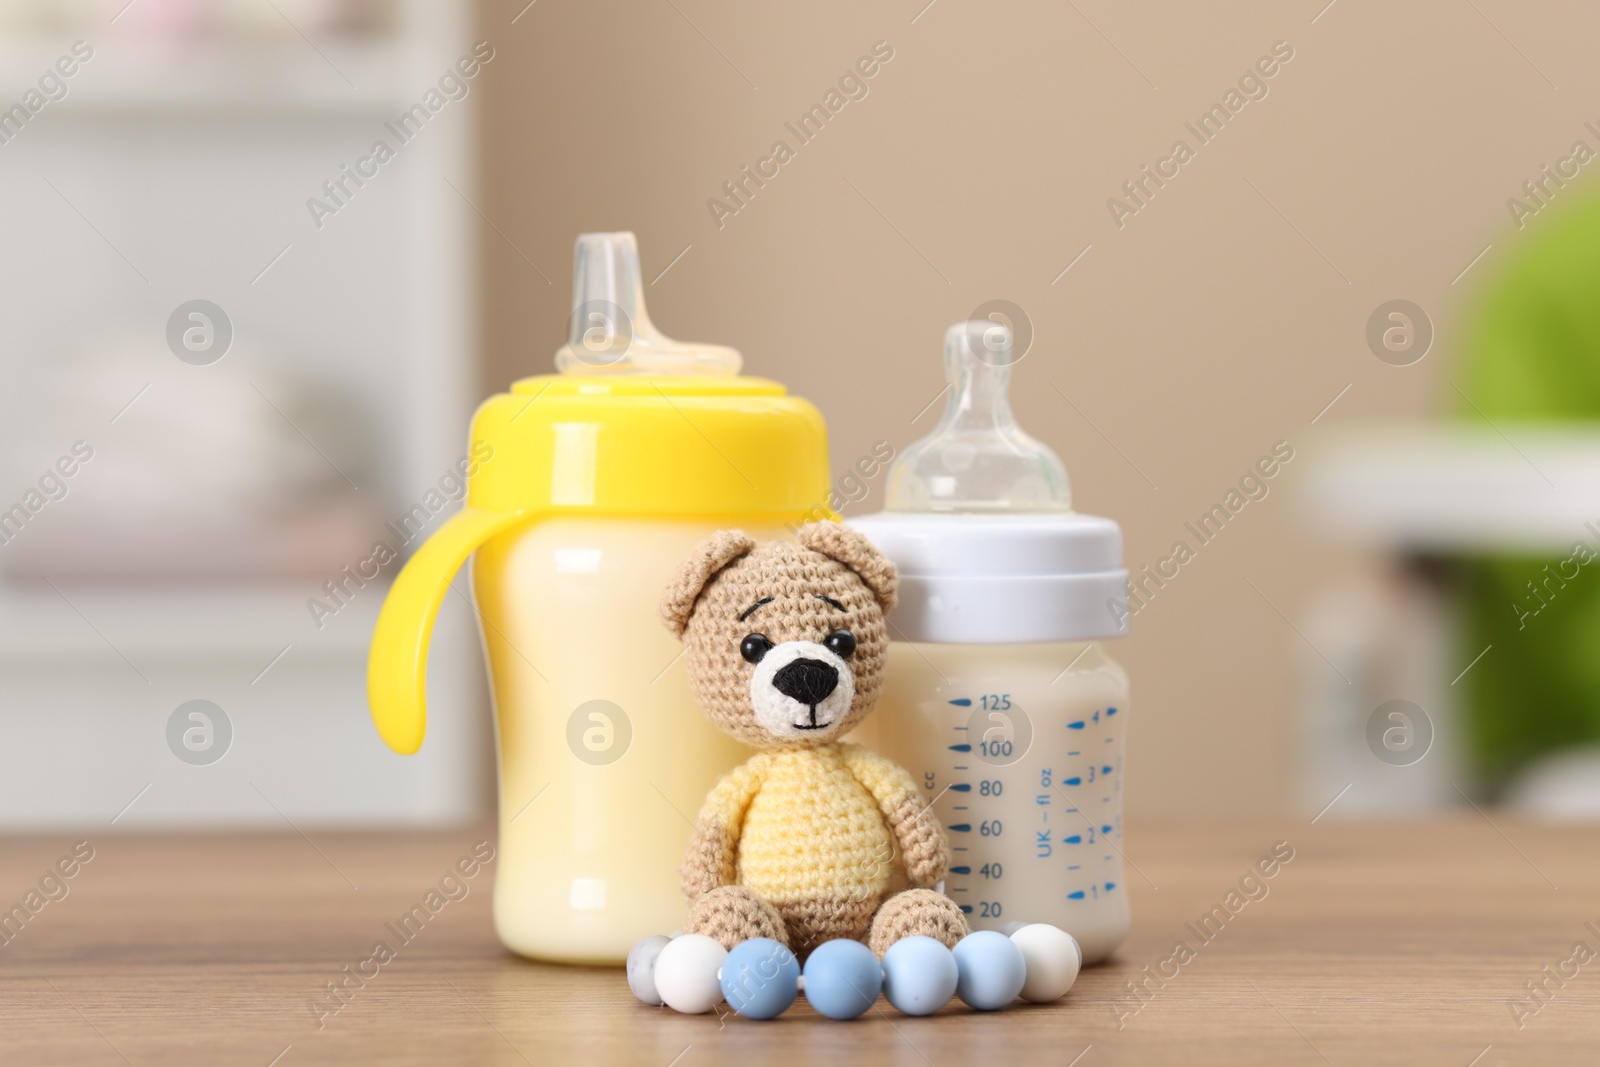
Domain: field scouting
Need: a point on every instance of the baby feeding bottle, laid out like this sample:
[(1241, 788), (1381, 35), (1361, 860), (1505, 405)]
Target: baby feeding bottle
[(592, 484), (999, 698)]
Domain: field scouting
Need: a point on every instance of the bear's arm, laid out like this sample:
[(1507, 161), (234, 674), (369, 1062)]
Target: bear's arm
[(924, 851), (712, 859)]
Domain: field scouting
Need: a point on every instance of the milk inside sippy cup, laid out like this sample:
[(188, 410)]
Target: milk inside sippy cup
[(999, 697), (590, 485)]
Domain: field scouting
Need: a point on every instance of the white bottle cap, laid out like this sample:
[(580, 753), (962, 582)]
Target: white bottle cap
[(978, 522), (1003, 579)]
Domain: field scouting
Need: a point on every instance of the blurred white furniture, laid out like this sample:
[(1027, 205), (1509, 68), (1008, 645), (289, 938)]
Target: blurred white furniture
[(175, 171), (1440, 487), (1411, 492)]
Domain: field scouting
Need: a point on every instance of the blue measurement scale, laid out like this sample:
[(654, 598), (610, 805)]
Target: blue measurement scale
[(1032, 809)]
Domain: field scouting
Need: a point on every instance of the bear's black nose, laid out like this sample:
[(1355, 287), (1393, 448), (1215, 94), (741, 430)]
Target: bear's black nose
[(807, 680)]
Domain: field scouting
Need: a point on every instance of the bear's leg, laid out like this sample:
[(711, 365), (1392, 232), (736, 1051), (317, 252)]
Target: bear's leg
[(917, 911), (731, 914), (811, 922)]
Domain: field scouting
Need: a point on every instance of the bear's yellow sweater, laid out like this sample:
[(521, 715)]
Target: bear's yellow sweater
[(813, 824)]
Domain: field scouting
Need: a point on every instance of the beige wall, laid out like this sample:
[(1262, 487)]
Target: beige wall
[(1194, 337)]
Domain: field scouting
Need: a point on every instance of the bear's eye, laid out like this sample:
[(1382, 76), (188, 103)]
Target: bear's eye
[(842, 643), (755, 646)]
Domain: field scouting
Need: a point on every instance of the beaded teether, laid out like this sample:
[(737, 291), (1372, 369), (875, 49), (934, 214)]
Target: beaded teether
[(841, 979)]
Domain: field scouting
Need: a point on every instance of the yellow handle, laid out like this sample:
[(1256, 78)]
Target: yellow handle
[(397, 665)]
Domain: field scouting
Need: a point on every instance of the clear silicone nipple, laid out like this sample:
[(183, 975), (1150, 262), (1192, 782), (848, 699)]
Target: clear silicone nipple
[(610, 331), (978, 459)]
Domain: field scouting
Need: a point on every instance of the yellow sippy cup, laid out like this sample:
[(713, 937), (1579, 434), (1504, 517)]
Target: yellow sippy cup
[(592, 484)]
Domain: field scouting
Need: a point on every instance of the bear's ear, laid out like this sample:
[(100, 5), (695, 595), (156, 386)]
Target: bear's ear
[(709, 557), (850, 547)]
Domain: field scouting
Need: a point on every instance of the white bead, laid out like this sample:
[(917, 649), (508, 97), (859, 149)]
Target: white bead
[(1053, 959), (686, 973)]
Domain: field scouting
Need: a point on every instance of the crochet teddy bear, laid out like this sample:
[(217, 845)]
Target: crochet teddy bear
[(785, 648)]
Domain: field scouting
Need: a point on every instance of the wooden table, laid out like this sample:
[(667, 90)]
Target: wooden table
[(1397, 943)]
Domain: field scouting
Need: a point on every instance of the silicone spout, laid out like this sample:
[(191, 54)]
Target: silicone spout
[(978, 459), (610, 331)]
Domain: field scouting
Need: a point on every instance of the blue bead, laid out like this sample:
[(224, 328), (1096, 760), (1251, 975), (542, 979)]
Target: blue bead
[(992, 970), (760, 978), (642, 968), (919, 975), (842, 978)]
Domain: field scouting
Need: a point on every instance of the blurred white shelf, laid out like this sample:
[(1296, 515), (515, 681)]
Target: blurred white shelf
[(334, 77), (1442, 487), (88, 701), (177, 623), (226, 132)]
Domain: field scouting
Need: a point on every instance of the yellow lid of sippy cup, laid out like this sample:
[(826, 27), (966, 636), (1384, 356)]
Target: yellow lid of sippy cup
[(631, 444), (636, 424)]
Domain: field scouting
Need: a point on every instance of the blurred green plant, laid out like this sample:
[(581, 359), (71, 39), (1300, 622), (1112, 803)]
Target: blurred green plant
[(1532, 354)]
